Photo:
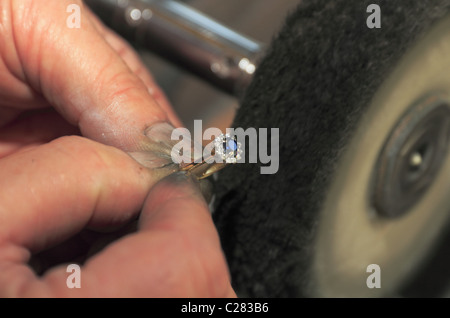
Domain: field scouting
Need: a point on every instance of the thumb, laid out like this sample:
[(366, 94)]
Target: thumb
[(175, 208)]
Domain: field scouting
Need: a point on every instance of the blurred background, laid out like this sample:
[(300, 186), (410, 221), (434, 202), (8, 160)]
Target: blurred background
[(354, 86), (191, 97)]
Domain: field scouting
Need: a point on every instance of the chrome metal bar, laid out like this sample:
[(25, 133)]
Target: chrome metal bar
[(185, 37)]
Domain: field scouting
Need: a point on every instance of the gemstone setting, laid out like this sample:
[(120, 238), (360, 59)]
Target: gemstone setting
[(227, 148)]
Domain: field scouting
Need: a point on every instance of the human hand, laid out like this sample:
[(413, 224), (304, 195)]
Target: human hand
[(52, 188)]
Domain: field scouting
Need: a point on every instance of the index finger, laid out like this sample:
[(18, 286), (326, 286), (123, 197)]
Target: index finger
[(78, 72)]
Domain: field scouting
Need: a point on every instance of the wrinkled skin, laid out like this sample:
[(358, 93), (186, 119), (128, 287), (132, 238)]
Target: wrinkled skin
[(88, 86)]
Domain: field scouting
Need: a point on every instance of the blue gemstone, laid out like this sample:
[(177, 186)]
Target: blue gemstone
[(232, 145)]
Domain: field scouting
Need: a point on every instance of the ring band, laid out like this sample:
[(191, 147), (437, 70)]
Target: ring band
[(203, 169), (226, 151)]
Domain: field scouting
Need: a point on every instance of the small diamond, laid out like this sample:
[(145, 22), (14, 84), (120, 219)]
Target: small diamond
[(227, 148)]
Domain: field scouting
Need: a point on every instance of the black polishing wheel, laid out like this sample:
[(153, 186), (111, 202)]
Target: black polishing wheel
[(364, 168)]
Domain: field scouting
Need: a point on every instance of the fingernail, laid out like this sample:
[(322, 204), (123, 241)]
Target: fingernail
[(182, 178), (156, 154), (160, 137), (202, 187), (155, 149)]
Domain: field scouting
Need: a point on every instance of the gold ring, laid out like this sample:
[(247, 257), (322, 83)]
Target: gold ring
[(226, 151)]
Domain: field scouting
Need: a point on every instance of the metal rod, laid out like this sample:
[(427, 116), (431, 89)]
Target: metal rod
[(185, 37)]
